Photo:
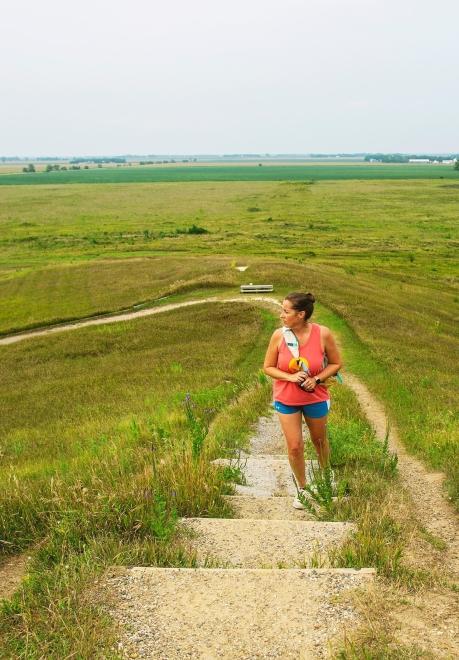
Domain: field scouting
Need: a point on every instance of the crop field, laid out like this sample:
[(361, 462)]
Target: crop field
[(87, 417), (236, 172)]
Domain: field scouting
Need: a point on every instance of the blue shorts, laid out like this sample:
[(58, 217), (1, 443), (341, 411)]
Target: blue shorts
[(314, 410)]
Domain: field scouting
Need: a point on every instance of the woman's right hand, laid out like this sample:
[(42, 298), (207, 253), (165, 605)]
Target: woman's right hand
[(298, 377)]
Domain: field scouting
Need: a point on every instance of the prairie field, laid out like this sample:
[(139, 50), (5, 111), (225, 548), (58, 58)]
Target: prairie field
[(88, 416)]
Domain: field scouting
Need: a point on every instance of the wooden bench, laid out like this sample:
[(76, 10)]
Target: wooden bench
[(256, 288)]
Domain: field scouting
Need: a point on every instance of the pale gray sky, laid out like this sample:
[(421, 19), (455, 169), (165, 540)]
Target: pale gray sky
[(226, 76)]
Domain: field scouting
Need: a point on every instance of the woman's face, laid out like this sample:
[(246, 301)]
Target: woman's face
[(290, 316)]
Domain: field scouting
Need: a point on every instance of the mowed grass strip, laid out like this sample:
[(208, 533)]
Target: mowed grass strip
[(266, 172), (62, 293)]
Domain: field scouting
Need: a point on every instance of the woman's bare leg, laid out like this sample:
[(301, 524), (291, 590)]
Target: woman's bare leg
[(318, 431), (291, 428)]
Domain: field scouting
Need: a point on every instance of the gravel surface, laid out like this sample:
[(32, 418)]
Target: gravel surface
[(250, 612), (425, 486), (172, 614), (267, 476), (265, 543), (267, 508), (268, 438)]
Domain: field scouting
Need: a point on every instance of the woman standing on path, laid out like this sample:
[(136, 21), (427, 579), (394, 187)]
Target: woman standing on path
[(298, 382)]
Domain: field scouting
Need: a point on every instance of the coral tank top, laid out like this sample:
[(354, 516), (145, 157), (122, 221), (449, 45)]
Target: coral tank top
[(290, 393)]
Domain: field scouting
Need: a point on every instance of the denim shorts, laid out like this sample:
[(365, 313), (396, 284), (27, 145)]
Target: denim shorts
[(313, 410)]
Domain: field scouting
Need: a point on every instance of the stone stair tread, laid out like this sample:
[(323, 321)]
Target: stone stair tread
[(267, 475), (172, 613), (269, 508), (260, 543), (268, 437)]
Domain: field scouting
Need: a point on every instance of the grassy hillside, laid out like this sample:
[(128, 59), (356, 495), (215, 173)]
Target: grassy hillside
[(381, 254), (71, 401), (96, 499), (101, 448)]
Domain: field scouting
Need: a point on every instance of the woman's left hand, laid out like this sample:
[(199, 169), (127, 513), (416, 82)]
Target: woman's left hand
[(309, 384)]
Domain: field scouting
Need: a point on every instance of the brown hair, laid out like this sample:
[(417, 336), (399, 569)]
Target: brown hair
[(302, 302)]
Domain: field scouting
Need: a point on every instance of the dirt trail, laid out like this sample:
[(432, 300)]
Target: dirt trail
[(11, 573), (426, 488), (125, 316)]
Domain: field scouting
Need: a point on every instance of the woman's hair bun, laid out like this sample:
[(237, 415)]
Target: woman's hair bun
[(302, 302)]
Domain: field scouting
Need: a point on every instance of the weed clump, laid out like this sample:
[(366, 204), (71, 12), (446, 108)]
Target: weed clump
[(194, 229)]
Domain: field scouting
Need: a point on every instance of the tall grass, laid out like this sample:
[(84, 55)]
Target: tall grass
[(93, 396)]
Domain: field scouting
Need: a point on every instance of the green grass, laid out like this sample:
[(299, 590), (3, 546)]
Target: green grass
[(310, 172), (84, 386), (98, 455), (381, 255), (63, 293), (359, 225)]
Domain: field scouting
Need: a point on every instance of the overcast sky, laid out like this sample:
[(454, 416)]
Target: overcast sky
[(228, 76)]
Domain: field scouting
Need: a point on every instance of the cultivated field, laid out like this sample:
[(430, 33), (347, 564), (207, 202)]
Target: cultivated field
[(235, 172), (99, 446)]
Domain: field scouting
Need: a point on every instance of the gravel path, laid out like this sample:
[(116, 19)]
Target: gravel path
[(260, 543), (426, 487), (126, 316), (172, 614)]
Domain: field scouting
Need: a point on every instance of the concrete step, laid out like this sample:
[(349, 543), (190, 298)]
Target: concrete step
[(268, 508), (268, 438), (176, 613), (251, 543), (267, 475)]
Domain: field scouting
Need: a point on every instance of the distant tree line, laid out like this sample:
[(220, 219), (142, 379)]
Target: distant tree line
[(404, 158), (56, 167), (163, 162), (115, 159)]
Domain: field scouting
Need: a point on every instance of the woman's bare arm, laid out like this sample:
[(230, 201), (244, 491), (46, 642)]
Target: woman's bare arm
[(334, 360)]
